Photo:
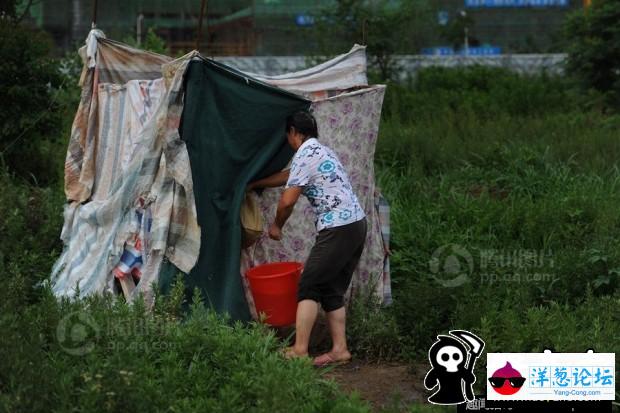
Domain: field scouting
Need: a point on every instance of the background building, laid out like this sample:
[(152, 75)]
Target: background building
[(232, 27), (284, 27), (513, 26)]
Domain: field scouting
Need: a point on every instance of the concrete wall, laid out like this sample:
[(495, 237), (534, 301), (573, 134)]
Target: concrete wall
[(408, 65)]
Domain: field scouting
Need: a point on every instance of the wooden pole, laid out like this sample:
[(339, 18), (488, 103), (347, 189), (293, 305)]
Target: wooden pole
[(94, 24), (364, 29), (203, 7)]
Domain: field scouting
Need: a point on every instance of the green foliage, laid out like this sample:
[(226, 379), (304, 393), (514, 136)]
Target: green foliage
[(499, 163), (30, 224), (477, 93), (14, 9), (594, 48), (101, 355), (152, 42), (386, 27), (372, 331), (563, 327), (454, 31), (34, 95)]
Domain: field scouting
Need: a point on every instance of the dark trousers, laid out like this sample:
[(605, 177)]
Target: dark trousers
[(329, 268)]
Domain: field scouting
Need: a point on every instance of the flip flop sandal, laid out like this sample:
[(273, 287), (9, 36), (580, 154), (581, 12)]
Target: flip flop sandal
[(327, 360)]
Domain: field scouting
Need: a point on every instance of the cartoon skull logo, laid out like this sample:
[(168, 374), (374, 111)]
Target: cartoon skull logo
[(450, 357)]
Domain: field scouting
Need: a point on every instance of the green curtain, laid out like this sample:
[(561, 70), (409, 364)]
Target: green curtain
[(233, 127)]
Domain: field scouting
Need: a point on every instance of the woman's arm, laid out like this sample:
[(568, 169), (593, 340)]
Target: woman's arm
[(275, 180), (285, 208)]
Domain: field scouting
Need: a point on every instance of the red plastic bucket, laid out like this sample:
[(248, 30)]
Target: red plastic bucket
[(274, 288)]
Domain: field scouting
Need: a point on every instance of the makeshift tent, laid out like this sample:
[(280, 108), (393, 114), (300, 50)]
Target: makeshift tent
[(234, 130), (161, 152), (348, 112), (127, 176), (340, 73)]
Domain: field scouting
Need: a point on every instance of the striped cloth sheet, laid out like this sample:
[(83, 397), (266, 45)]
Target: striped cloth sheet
[(125, 156), (131, 261), (383, 213)]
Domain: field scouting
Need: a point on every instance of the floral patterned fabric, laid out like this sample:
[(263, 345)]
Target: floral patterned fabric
[(348, 124), (325, 184)]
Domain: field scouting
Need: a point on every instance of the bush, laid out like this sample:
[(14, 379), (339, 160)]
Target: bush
[(372, 331), (464, 160), (594, 48), (563, 327), (101, 355), (478, 92), (31, 104), (30, 223), (152, 42), (386, 27)]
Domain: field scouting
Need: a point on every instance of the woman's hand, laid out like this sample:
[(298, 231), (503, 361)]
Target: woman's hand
[(275, 232), (273, 181)]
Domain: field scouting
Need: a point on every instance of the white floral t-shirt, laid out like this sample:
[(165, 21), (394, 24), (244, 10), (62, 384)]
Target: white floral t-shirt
[(317, 169)]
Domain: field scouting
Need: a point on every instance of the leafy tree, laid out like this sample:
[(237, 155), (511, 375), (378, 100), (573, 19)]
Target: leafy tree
[(151, 42), (30, 103), (16, 10), (385, 26), (454, 31), (594, 47)]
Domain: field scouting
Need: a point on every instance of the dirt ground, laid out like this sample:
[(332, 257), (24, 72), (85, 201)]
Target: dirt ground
[(383, 385)]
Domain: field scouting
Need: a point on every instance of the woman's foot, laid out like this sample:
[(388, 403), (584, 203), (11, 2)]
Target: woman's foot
[(332, 359), (290, 353)]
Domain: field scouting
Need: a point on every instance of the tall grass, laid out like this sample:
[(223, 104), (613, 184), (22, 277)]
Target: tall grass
[(521, 175), (100, 355)]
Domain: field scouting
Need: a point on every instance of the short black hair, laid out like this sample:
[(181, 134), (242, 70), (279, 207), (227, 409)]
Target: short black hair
[(304, 123)]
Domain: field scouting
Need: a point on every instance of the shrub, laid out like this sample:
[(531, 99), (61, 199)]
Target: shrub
[(478, 92), (31, 104), (101, 355), (30, 224), (152, 42), (594, 48), (464, 160), (386, 27), (372, 331)]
